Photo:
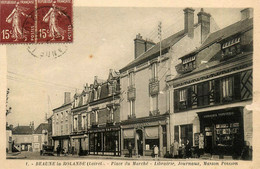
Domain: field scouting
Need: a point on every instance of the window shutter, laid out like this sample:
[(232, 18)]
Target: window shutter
[(217, 91), (176, 100), (237, 89), (189, 97)]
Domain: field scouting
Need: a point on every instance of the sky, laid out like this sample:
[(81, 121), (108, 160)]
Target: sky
[(103, 40)]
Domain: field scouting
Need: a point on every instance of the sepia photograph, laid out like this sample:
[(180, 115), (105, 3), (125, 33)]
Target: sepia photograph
[(160, 86)]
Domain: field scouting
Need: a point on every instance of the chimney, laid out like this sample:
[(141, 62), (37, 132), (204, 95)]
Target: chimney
[(189, 21), (246, 13), (139, 45), (142, 45), (67, 97), (32, 125), (204, 20)]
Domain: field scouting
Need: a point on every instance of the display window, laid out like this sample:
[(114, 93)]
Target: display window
[(225, 133)]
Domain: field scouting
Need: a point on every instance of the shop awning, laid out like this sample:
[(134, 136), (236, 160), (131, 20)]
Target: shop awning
[(151, 133), (128, 133)]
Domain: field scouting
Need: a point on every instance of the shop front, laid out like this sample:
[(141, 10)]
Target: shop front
[(63, 141), (79, 144), (105, 141), (223, 131), (144, 134)]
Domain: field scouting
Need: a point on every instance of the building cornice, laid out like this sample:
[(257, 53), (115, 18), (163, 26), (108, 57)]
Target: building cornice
[(217, 70)]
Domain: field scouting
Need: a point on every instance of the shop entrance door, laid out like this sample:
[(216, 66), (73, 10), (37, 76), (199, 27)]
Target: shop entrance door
[(208, 139), (139, 134)]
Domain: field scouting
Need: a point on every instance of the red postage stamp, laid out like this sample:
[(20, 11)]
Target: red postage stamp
[(36, 21)]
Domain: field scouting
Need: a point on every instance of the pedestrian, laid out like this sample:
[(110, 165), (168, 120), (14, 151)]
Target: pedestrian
[(130, 150), (58, 150), (188, 149), (156, 151), (175, 149)]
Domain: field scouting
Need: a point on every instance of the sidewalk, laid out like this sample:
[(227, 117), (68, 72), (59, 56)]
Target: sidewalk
[(16, 155)]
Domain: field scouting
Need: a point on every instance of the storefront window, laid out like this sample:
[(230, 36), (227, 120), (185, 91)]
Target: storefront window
[(150, 143), (186, 133), (225, 133), (110, 139), (128, 141)]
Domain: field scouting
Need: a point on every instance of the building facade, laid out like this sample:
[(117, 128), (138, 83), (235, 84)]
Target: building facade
[(104, 116), (49, 134), (79, 135), (22, 137), (145, 106), (212, 89), (62, 124), (40, 137)]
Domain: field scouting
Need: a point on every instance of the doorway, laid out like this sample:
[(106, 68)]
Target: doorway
[(208, 139), (139, 138)]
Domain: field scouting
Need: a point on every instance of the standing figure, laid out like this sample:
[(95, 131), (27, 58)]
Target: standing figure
[(51, 17), (15, 19), (58, 150), (175, 149), (188, 149), (156, 151), (130, 149)]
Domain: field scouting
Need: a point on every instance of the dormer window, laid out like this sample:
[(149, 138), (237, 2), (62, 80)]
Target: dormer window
[(98, 92), (231, 48), (84, 99), (76, 102), (188, 64), (95, 94)]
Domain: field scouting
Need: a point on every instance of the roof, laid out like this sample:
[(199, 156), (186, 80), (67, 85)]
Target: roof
[(23, 130), (224, 33), (42, 126), (213, 56), (155, 50), (63, 105)]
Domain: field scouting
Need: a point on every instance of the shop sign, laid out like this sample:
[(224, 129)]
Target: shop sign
[(103, 130), (145, 124), (218, 115)]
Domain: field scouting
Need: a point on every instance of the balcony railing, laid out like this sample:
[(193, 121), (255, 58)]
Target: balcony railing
[(94, 125), (187, 69), (154, 113), (131, 92), (110, 122), (131, 116), (154, 86)]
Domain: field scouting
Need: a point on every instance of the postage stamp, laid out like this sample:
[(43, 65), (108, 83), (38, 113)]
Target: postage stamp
[(36, 21)]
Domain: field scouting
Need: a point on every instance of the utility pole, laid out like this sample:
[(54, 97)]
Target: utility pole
[(8, 110), (160, 36)]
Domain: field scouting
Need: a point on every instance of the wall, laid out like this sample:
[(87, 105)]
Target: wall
[(18, 139), (142, 93), (62, 120), (124, 107)]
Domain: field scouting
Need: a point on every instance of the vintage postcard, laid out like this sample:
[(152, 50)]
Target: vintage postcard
[(129, 84)]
